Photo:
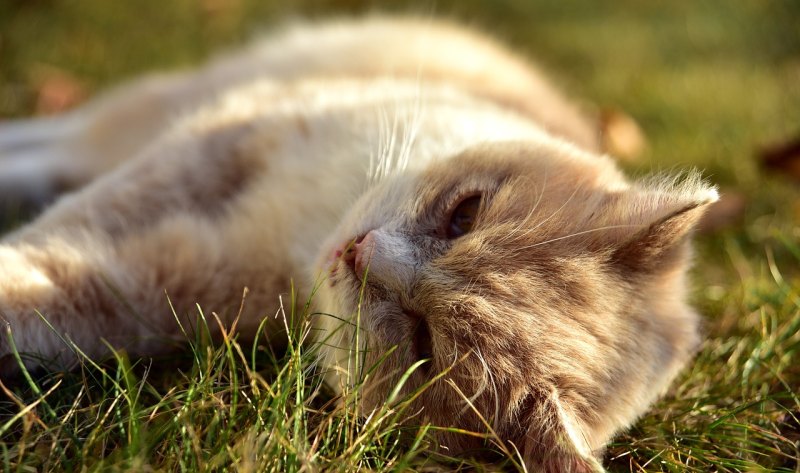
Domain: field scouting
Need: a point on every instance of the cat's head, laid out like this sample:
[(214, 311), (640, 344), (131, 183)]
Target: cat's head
[(547, 287)]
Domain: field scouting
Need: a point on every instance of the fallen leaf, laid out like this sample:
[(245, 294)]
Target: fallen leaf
[(622, 137), (220, 6), (726, 212), (783, 158), (57, 90)]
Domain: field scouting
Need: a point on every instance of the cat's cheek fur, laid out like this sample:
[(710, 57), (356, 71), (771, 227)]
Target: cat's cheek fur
[(334, 337)]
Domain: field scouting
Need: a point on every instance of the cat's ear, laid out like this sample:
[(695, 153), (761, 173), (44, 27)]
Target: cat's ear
[(655, 221), (556, 441)]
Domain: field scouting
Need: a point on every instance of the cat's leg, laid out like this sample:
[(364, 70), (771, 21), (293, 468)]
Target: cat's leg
[(72, 293), (57, 292), (96, 290), (41, 158), (99, 266), (28, 133)]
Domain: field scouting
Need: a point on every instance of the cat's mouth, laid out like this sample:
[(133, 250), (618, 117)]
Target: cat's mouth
[(421, 342), (391, 322), (348, 272)]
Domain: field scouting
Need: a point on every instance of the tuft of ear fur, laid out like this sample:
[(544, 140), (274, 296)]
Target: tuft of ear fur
[(662, 214), (555, 441)]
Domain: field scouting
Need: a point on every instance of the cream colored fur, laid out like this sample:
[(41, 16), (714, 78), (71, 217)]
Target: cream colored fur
[(561, 316)]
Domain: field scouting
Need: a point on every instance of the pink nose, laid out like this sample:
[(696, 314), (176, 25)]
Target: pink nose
[(357, 253)]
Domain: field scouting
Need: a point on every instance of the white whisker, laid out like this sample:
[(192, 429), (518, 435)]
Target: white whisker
[(491, 381), (517, 231), (572, 235), (557, 211)]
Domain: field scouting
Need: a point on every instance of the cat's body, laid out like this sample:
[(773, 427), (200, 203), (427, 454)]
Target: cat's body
[(493, 241)]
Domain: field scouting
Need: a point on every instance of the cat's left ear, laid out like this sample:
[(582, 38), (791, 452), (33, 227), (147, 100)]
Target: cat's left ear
[(556, 441), (656, 220)]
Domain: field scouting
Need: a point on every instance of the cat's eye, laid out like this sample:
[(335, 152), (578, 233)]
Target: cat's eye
[(463, 216)]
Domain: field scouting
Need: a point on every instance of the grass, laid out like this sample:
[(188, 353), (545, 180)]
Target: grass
[(711, 82)]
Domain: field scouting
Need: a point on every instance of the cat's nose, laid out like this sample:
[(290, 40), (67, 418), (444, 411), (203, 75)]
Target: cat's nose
[(358, 254), (385, 257)]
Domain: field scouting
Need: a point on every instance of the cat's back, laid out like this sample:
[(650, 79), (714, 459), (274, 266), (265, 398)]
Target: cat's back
[(418, 49), (374, 48)]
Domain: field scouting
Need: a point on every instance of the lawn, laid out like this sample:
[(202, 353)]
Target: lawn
[(711, 83)]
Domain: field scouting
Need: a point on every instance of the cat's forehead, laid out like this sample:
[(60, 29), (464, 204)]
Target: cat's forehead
[(551, 186), (523, 174), (534, 160)]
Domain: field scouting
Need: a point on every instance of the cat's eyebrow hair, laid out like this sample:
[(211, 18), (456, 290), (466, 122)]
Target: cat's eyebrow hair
[(447, 196), (444, 199)]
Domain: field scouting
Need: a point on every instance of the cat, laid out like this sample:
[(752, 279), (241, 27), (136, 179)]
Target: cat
[(425, 184)]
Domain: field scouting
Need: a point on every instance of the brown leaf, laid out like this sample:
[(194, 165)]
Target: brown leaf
[(622, 137), (222, 16), (220, 6), (783, 158), (57, 90), (727, 211)]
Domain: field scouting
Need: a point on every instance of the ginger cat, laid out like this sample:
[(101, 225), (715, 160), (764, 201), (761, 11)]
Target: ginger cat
[(414, 175)]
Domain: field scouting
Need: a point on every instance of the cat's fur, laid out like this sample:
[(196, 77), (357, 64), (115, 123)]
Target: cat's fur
[(331, 151)]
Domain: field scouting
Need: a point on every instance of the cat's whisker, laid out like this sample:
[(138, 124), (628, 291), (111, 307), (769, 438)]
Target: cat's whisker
[(415, 121), (572, 235), (403, 137), (389, 155), (376, 156), (412, 129), (518, 231), (557, 211), (489, 376), (518, 236), (455, 354), (372, 155), (486, 380), (515, 232), (396, 138), (376, 150), (388, 143), (385, 136)]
